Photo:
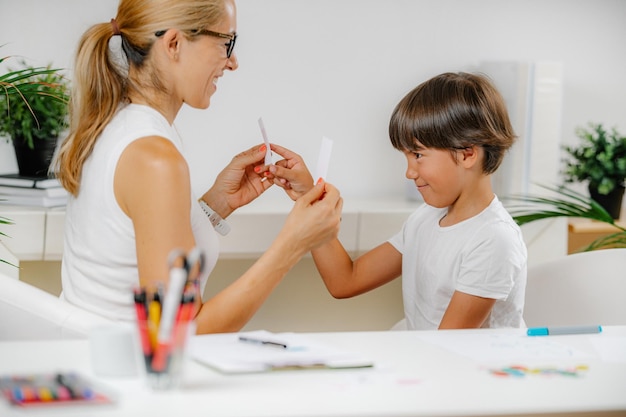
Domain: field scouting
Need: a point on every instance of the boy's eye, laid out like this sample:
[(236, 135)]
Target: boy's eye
[(417, 155)]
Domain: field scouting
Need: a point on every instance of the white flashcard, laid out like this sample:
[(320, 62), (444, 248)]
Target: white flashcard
[(268, 151), (323, 161)]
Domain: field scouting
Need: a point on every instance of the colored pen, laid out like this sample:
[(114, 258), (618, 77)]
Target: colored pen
[(256, 341), (171, 305), (142, 321), (185, 315), (154, 318), (547, 331), (77, 388)]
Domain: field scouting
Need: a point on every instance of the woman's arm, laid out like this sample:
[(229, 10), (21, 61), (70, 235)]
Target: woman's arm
[(311, 222), (152, 187)]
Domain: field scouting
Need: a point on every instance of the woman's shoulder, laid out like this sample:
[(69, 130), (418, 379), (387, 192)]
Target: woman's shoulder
[(132, 122), (140, 116)]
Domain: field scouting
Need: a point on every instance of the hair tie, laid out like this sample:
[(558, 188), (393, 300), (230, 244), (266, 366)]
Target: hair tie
[(116, 28), (117, 55)]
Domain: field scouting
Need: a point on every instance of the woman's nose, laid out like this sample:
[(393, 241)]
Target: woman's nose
[(232, 63)]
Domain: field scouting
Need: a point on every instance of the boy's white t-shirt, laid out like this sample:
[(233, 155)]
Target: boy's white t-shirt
[(484, 256), (99, 267)]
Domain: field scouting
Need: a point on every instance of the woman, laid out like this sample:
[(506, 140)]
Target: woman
[(132, 202)]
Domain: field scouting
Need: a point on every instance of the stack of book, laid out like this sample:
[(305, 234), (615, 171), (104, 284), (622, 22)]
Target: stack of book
[(17, 190)]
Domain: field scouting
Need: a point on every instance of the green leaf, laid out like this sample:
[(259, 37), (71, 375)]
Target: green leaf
[(33, 103), (600, 159), (566, 203)]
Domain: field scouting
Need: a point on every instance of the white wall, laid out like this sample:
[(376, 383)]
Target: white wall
[(338, 67)]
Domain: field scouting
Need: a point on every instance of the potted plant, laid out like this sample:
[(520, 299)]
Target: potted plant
[(566, 203), (601, 161), (33, 113)]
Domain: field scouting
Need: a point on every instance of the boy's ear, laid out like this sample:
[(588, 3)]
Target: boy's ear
[(471, 156)]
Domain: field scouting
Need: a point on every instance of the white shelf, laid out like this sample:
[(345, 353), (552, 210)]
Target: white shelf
[(37, 234)]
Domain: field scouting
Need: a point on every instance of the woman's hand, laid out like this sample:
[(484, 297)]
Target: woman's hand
[(290, 173), (315, 218), (240, 182)]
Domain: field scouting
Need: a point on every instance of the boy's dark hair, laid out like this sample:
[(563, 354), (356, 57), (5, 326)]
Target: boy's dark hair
[(454, 111)]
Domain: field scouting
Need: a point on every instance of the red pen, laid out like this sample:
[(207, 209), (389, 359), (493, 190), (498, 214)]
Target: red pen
[(185, 315), (142, 322), (170, 311)]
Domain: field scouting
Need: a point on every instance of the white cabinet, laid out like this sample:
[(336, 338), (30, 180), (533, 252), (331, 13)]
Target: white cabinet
[(37, 233), (26, 236)]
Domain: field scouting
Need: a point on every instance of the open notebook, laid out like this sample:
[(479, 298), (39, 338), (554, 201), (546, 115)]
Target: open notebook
[(262, 351)]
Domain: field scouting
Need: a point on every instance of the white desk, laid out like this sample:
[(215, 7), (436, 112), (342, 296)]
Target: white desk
[(414, 376)]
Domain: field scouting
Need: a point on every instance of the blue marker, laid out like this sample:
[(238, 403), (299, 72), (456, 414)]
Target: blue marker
[(548, 331)]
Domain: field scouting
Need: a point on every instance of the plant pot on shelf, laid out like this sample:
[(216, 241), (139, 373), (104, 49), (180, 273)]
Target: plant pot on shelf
[(611, 202), (34, 162)]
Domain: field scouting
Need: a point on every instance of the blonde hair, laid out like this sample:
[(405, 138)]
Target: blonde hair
[(98, 85)]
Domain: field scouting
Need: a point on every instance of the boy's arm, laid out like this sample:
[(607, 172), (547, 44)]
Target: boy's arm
[(345, 278), (466, 311)]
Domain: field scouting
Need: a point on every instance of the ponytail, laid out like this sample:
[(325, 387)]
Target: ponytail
[(98, 89)]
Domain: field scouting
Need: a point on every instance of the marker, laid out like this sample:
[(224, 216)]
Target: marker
[(142, 321), (154, 318), (256, 341), (171, 305), (77, 388), (549, 331)]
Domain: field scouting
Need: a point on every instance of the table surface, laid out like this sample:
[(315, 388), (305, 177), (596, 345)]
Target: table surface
[(444, 373)]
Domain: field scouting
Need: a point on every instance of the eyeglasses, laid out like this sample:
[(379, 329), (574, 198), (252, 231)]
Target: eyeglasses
[(230, 45)]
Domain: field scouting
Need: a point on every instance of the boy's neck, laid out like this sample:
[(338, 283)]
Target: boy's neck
[(471, 202)]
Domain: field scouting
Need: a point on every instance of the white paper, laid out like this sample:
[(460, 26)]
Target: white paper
[(268, 151), (610, 348), (489, 348), (226, 353), (323, 161)]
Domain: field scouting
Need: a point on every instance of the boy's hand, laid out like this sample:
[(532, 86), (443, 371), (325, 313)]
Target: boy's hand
[(290, 173)]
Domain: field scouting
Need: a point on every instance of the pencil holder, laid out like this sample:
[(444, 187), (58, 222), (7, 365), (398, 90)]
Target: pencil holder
[(164, 327)]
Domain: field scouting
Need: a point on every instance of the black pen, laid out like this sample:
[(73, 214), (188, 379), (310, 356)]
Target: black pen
[(271, 343)]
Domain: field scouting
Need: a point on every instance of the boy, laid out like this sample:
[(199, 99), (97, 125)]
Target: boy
[(461, 256)]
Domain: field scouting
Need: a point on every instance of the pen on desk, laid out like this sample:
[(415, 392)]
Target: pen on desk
[(547, 331), (77, 388), (256, 341)]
